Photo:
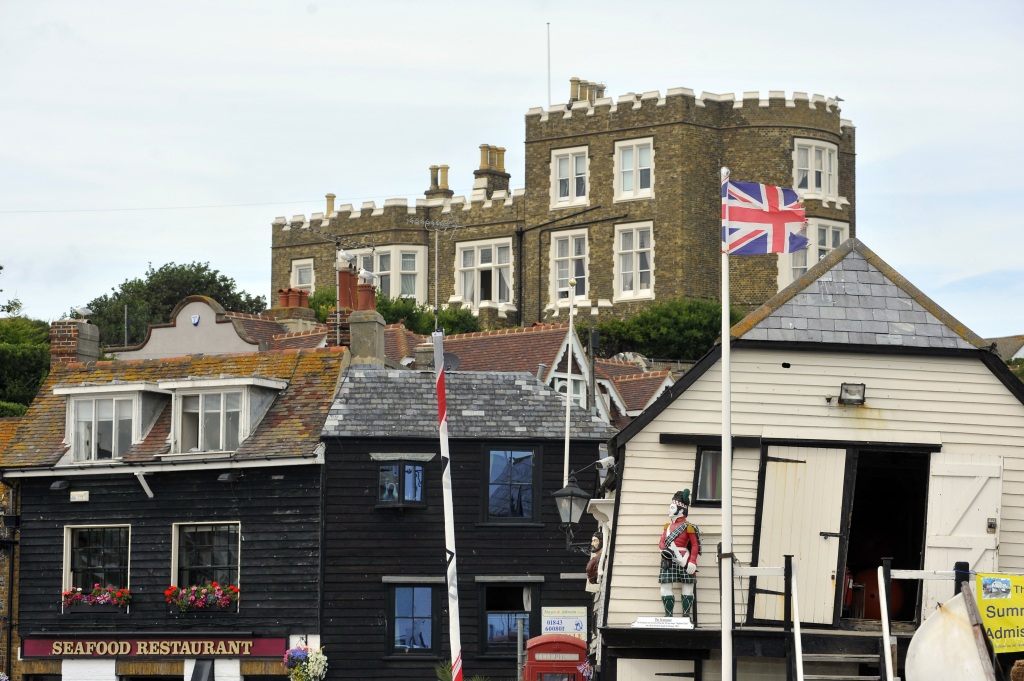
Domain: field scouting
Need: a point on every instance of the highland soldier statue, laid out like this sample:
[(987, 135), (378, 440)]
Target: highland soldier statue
[(679, 546)]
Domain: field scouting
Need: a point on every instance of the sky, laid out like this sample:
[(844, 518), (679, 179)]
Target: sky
[(141, 133)]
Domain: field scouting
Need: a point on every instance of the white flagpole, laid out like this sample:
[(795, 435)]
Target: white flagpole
[(725, 564), (449, 517)]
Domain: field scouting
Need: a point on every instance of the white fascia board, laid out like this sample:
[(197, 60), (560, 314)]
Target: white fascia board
[(123, 387), (163, 467), (224, 382)]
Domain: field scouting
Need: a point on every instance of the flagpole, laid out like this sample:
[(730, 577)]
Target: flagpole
[(725, 561), (449, 516)]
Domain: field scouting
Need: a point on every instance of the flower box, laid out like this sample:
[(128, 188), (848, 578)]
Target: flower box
[(100, 597), (206, 597)]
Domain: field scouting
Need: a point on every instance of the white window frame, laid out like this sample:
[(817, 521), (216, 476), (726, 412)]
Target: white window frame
[(556, 291), (579, 387), (175, 548), (297, 267), (571, 154), (821, 157), (636, 293), (87, 588), (472, 298), (792, 266), (76, 403), (634, 168), (203, 396), (391, 279)]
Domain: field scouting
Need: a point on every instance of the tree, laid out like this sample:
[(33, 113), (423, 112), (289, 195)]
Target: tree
[(12, 306), (680, 329), (151, 300)]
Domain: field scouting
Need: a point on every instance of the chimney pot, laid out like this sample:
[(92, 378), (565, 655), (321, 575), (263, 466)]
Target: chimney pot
[(293, 297), (444, 176), (485, 153), (574, 89), (366, 297), (330, 205), (282, 297), (433, 178), (501, 159)]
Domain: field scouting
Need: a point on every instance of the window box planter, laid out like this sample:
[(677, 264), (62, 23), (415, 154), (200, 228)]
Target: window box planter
[(210, 597)]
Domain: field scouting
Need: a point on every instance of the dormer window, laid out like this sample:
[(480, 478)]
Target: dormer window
[(218, 414), (104, 420), (210, 422), (102, 428)]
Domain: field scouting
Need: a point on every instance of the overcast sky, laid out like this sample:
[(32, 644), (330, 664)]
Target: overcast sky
[(151, 132)]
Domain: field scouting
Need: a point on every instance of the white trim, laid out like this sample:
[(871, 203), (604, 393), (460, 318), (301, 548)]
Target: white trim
[(636, 193), (198, 464), (394, 271), (637, 293), (69, 420), (553, 289), (229, 382), (66, 577), (508, 579), (829, 191), (570, 201), (473, 300), (175, 527), (300, 264), (126, 387)]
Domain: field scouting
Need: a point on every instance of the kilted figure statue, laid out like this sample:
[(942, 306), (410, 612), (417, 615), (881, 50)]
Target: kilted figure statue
[(680, 546)]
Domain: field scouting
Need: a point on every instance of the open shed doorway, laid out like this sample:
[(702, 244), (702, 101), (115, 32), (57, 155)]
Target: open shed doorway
[(887, 519)]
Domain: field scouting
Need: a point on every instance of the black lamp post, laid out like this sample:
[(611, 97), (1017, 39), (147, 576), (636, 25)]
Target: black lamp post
[(571, 501)]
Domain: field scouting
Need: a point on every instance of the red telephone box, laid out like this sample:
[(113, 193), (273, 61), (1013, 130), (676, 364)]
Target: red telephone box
[(554, 657)]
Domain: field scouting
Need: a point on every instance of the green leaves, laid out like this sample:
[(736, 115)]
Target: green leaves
[(419, 318), (681, 329), (150, 300)]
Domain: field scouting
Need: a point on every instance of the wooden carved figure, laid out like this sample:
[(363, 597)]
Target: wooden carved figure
[(680, 546)]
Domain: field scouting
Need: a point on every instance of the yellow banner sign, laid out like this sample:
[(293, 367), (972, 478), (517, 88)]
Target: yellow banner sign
[(1001, 603)]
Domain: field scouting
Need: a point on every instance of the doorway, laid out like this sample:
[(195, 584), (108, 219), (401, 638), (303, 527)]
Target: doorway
[(887, 519)]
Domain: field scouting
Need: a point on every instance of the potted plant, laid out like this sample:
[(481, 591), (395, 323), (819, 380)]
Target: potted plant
[(305, 664), (209, 596), (99, 595)]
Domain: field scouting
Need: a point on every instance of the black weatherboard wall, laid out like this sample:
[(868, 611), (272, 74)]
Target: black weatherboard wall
[(365, 542), (279, 512)]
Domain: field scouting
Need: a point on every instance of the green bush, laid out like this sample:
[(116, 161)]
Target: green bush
[(12, 409), (680, 329), (22, 370), (419, 318), (322, 302)]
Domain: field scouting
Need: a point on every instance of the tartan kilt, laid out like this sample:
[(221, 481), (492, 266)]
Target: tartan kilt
[(673, 572)]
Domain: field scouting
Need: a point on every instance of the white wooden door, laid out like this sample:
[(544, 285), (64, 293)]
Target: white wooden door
[(801, 516), (963, 497)]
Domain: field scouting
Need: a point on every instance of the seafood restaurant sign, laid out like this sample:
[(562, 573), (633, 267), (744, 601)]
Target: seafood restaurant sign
[(155, 646)]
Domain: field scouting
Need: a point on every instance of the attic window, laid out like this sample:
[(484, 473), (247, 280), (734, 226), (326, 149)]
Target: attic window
[(102, 428)]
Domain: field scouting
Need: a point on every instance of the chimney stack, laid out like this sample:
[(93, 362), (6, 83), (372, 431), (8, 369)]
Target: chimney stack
[(74, 340), (424, 354), (491, 176), (439, 191)]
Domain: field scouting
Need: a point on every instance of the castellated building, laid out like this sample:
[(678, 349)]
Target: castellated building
[(621, 195)]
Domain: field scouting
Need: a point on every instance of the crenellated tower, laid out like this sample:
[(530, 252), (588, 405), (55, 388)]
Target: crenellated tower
[(621, 196)]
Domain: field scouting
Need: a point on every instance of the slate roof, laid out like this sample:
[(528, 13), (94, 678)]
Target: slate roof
[(291, 427), (481, 405), (852, 296)]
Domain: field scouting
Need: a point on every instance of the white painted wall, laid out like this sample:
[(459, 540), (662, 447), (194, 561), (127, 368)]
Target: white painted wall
[(953, 401)]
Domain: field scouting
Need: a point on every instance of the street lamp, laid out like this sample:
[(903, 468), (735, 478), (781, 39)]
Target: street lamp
[(571, 501)]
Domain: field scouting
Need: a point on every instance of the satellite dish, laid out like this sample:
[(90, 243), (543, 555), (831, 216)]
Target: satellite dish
[(451, 361)]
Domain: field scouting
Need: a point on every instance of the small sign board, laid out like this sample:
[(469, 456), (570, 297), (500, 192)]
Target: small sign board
[(570, 621)]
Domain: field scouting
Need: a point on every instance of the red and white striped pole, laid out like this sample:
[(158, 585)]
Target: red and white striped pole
[(449, 516)]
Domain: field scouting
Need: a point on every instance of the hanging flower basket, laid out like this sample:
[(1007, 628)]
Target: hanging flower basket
[(305, 664), (209, 596), (99, 595)]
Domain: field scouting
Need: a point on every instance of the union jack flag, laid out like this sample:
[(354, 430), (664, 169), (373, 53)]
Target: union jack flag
[(585, 669), (759, 219)]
